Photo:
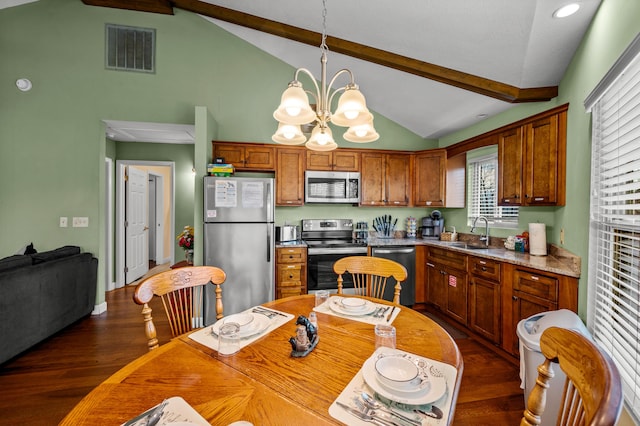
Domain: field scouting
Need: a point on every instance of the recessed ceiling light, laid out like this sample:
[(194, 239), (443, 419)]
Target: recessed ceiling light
[(566, 10)]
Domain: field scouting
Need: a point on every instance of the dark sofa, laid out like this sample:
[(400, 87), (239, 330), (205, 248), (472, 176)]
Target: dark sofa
[(42, 293)]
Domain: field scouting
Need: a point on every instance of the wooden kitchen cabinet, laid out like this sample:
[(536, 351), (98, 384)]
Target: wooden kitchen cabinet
[(291, 271), (245, 156), (531, 292), (342, 160), (532, 162), (485, 311), (290, 176), (386, 179), (447, 282), (430, 178)]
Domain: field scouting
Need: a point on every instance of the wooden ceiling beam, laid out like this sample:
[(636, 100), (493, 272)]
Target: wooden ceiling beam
[(462, 80), (153, 6)]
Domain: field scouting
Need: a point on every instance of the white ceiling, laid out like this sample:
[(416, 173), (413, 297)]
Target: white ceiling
[(514, 42)]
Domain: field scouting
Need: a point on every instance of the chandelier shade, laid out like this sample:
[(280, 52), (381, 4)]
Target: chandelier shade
[(352, 109), (295, 110), (294, 106), (362, 133), (321, 139), (289, 134)]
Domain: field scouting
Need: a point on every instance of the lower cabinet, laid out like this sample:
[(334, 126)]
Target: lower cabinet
[(291, 271), (485, 311), (490, 297), (447, 283)]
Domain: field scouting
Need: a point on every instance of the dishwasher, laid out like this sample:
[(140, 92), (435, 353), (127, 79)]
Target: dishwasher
[(406, 256)]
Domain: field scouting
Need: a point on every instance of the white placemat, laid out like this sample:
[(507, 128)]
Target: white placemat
[(177, 410), (352, 392), (207, 338), (325, 308)]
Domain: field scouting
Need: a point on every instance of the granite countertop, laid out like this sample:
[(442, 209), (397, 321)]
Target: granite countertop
[(558, 260), (290, 244)]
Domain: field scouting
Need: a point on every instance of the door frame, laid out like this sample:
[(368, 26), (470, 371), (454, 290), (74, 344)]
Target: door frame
[(158, 226), (120, 212)]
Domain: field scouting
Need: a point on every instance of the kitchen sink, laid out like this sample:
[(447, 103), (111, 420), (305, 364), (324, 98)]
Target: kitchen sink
[(467, 246)]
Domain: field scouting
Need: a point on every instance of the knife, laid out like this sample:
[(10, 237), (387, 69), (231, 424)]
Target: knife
[(365, 417), (390, 313)]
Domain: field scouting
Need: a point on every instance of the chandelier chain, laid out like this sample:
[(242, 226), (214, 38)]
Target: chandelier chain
[(323, 44)]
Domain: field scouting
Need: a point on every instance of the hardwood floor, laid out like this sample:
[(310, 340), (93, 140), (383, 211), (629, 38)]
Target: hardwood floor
[(43, 384)]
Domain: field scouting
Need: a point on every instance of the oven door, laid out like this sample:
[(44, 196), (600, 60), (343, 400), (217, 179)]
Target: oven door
[(320, 275)]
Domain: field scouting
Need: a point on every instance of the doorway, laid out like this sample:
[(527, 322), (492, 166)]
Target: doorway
[(131, 250)]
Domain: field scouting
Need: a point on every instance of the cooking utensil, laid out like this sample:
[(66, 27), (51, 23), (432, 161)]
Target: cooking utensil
[(373, 403)]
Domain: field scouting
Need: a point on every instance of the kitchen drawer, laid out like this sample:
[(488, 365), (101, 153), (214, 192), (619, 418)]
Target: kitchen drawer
[(292, 255), (486, 268), (289, 275), (447, 257), (536, 285)]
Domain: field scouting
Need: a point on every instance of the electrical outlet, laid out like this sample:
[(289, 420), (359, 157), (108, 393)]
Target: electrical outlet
[(80, 222), (63, 221), (562, 236)]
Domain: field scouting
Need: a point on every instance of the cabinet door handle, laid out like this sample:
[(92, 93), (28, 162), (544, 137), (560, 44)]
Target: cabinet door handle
[(484, 269), (514, 297), (533, 277)]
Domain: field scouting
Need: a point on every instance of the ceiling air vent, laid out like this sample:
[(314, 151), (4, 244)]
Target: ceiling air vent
[(130, 48)]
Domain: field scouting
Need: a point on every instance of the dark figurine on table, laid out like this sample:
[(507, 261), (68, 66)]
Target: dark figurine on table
[(306, 337)]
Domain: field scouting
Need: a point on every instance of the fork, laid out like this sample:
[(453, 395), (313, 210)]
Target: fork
[(265, 312)]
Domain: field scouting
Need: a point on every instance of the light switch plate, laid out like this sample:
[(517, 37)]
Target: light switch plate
[(80, 222), (63, 221)]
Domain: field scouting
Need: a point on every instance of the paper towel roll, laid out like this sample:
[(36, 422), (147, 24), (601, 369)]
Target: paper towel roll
[(537, 239)]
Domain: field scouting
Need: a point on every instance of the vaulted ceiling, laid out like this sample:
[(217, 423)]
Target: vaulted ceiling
[(432, 66)]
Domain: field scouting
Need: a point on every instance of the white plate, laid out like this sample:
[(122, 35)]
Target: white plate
[(241, 319), (353, 303), (336, 306), (431, 389), (258, 325)]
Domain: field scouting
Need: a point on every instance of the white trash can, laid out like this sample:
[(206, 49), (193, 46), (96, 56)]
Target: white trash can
[(529, 332)]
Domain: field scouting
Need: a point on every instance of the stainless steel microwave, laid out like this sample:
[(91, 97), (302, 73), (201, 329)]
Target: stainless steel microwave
[(331, 187)]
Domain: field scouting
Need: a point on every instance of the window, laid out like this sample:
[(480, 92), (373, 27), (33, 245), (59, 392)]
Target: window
[(614, 242), (482, 196), (130, 48)]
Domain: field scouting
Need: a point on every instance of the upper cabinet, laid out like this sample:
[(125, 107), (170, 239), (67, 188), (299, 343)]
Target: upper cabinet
[(245, 156), (385, 179), (343, 160), (290, 176), (532, 162), (430, 177)]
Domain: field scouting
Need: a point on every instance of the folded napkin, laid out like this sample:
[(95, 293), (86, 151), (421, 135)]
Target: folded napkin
[(207, 337), (176, 410), (351, 394), (325, 308)]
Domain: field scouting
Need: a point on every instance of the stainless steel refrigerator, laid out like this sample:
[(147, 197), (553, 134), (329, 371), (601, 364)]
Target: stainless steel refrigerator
[(239, 238)]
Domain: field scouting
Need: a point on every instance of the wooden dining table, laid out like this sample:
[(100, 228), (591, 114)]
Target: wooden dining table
[(262, 383)]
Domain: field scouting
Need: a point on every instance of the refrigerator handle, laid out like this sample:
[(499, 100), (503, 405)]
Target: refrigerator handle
[(268, 243), (270, 211)]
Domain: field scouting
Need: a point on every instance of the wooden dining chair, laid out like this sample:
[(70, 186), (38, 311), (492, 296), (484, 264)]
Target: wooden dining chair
[(181, 291), (592, 389), (370, 275)]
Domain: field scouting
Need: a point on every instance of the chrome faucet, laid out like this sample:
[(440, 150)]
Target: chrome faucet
[(484, 237)]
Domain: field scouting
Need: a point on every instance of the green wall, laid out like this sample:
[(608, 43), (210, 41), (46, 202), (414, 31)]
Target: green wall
[(52, 143), (52, 138)]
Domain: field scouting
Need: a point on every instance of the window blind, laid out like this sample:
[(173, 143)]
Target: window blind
[(613, 312), (483, 193)]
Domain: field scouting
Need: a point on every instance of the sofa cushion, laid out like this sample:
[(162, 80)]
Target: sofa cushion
[(58, 253), (14, 261)]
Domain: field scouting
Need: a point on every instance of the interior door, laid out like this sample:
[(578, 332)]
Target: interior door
[(136, 216)]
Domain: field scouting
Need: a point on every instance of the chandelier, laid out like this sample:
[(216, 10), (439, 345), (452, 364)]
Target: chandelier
[(295, 110)]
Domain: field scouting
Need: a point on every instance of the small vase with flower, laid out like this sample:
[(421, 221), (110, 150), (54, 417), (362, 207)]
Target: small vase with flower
[(185, 240)]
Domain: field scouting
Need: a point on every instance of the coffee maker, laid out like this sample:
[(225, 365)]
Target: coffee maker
[(432, 226)]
